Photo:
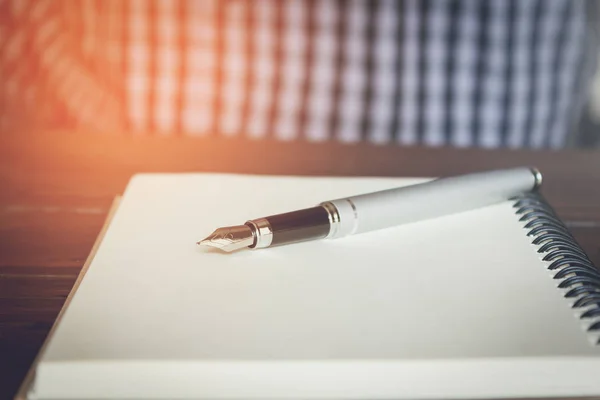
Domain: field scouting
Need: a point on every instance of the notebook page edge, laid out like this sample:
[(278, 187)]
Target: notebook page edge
[(324, 379), (29, 380)]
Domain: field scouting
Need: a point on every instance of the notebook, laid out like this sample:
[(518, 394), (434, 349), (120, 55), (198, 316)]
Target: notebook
[(478, 304)]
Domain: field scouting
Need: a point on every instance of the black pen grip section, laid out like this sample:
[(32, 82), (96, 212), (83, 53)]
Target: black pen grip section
[(296, 226)]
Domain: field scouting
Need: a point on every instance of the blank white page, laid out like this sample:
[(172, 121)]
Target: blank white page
[(465, 286)]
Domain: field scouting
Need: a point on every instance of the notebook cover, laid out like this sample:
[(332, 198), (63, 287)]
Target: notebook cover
[(234, 319)]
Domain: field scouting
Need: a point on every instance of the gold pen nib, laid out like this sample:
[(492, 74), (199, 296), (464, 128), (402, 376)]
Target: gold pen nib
[(230, 238)]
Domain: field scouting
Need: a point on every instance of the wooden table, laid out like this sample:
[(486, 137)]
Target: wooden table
[(56, 189)]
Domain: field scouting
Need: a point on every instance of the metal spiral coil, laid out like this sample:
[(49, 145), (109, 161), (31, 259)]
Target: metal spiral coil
[(579, 278)]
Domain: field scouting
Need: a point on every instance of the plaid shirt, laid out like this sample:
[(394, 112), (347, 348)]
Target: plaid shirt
[(498, 73)]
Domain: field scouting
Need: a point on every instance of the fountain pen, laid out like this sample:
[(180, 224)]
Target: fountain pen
[(378, 210)]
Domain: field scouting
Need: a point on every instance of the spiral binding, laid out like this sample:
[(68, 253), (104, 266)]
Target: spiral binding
[(579, 279)]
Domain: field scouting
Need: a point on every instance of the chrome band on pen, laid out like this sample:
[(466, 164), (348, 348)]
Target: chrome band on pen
[(263, 233), (334, 219), (341, 226)]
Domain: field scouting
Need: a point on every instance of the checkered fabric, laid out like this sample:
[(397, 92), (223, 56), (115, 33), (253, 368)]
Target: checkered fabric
[(496, 73)]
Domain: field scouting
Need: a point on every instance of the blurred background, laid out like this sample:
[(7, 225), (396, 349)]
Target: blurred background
[(461, 73)]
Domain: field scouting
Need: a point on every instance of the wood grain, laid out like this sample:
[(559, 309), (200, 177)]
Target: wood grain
[(56, 189)]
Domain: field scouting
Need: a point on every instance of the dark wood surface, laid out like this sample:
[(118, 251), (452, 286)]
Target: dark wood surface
[(56, 189)]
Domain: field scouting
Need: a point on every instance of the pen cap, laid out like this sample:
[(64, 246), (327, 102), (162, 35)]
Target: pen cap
[(431, 199)]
